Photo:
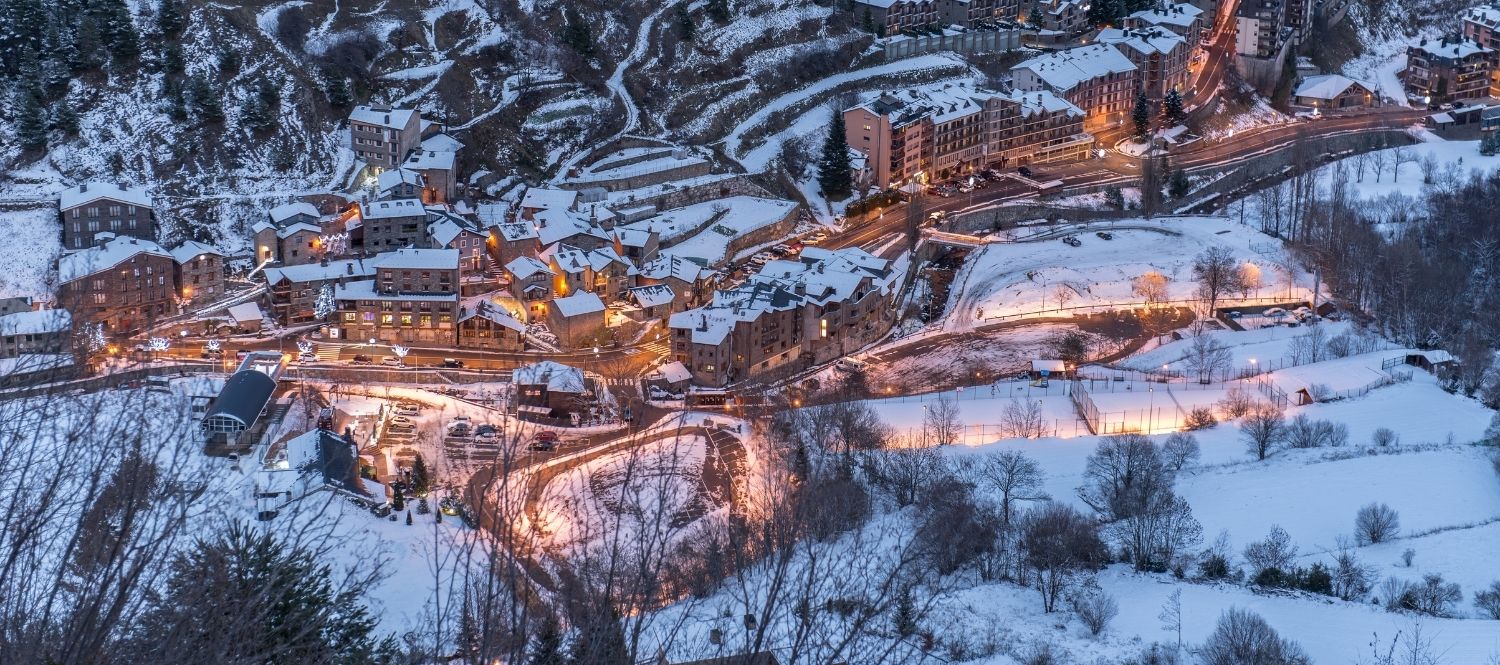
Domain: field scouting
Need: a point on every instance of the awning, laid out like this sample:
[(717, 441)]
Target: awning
[(527, 408)]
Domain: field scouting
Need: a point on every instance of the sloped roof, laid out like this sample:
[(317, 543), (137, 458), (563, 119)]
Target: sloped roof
[(192, 249), (1327, 86), (1064, 70), (73, 197), (578, 304), (287, 211), (35, 323), (651, 296), (244, 396), (493, 313), (525, 266), (393, 118), (393, 208), (105, 256), (317, 272), (392, 178), (556, 376), (544, 198), (418, 259)]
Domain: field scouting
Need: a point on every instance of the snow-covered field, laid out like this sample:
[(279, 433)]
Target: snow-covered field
[(33, 241), (1008, 279)]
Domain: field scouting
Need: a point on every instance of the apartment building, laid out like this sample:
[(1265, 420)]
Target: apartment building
[(412, 300), (292, 292), (472, 242), (1160, 57), (1038, 127), (40, 331), (1450, 68), (1482, 25), (1261, 30), (793, 313), (95, 208), (393, 224), (1098, 78), (1182, 18), (125, 283), (382, 136), (485, 325), (892, 17), (200, 272)]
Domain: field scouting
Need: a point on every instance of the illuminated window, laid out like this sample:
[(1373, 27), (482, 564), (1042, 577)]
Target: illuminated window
[(350, 316), (405, 319), (387, 318)]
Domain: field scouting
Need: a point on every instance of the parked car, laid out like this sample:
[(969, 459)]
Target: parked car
[(1274, 312), (486, 431), (659, 394), (306, 358), (391, 361), (544, 441), (453, 363), (402, 420), (1072, 241), (1105, 235), (408, 409), (1025, 171), (362, 359), (400, 428), (851, 365), (460, 430)]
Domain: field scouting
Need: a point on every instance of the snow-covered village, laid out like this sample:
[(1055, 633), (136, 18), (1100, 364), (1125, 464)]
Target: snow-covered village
[(750, 332)]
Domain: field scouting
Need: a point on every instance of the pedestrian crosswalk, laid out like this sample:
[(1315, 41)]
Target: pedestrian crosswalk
[(658, 348), (623, 382)]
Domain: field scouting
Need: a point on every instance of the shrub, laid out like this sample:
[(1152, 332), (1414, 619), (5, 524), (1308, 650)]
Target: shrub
[(1304, 432), (1242, 636), (1200, 418), (1432, 596), (1384, 437), (1376, 523), (1214, 566), (1407, 556), (1488, 600), (1316, 579), (1237, 402), (1095, 609)]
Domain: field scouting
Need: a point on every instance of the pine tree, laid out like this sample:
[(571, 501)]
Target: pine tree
[(469, 638), (868, 21), (1172, 108), (207, 104), (1114, 197), (269, 90), (686, 29), (169, 19), (1179, 185), (87, 55), (172, 98), (576, 33), (118, 29), (408, 518), (834, 178), (31, 126), (171, 58), (718, 10), (420, 480), (64, 117), (254, 115), (55, 72), (337, 90), (548, 647), (905, 621), (398, 499), (229, 62), (1142, 115)]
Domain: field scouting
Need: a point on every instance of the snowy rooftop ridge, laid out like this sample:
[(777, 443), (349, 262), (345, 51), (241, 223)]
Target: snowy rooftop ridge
[(383, 117), (192, 249), (1327, 86), (105, 256), (1064, 70), (89, 192), (556, 376), (287, 211), (395, 208), (1146, 41), (578, 304), (418, 259), (1450, 47), (37, 322), (1179, 14), (317, 272)]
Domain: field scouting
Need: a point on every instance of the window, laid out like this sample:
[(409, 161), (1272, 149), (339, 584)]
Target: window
[(369, 317), (387, 318), (100, 298), (350, 316), (114, 211), (405, 319)]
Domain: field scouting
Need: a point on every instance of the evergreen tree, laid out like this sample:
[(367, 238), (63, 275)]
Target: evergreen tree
[(269, 90), (420, 478), (286, 608), (469, 639), (906, 615), (1179, 185), (834, 178), (87, 55), (64, 117), (548, 647), (169, 20), (22, 25), (118, 29), (1142, 115), (408, 518), (398, 498), (229, 62), (576, 33), (868, 21), (686, 29), (254, 115), (718, 10), (337, 90), (207, 104), (1490, 145), (1114, 197), (1172, 108), (171, 58), (600, 639), (55, 72), (31, 126), (172, 98)]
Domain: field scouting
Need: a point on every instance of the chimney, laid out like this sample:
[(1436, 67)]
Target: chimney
[(349, 267), (83, 188)]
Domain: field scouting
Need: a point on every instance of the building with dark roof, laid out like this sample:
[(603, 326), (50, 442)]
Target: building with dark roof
[(241, 402)]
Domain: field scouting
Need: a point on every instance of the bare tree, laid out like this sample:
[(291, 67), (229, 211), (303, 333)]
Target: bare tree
[(1015, 477), (1063, 294), (1262, 430), (941, 422), (1059, 545), (1095, 609), (1171, 616), (1207, 357), (1179, 450), (1351, 578), (1151, 286), (1275, 552), (1217, 275), (1023, 419), (1127, 482), (1376, 523)]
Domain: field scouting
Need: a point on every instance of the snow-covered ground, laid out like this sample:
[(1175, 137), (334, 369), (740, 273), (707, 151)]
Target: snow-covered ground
[(33, 243), (1009, 279)]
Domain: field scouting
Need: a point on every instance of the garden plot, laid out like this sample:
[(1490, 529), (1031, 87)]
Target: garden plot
[(1010, 279)]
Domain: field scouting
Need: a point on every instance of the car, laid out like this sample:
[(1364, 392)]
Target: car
[(659, 394), (486, 431), (453, 363), (459, 430), (395, 428), (780, 251), (362, 359), (851, 365), (1233, 314), (1025, 171), (1072, 241), (1274, 312), (391, 361), (306, 358), (544, 441), (402, 420), (408, 409), (1105, 235)]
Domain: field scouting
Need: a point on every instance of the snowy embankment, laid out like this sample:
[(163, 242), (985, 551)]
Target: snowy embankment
[(33, 243)]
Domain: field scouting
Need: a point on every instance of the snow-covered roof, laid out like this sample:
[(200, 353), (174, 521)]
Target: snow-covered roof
[(556, 376), (490, 311), (394, 208), (300, 227), (246, 311), (243, 397), (423, 160), (556, 225), (543, 198), (392, 178), (392, 118), (1327, 86), (673, 372), (525, 266), (441, 142), (418, 259), (517, 231), (943, 102), (35, 323), (1146, 41), (192, 249), (105, 256), (287, 211), (1179, 14), (651, 296), (1042, 101), (73, 197), (578, 304), (671, 265), (1453, 46), (448, 227), (629, 237), (1040, 365), (1064, 70), (317, 272)]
